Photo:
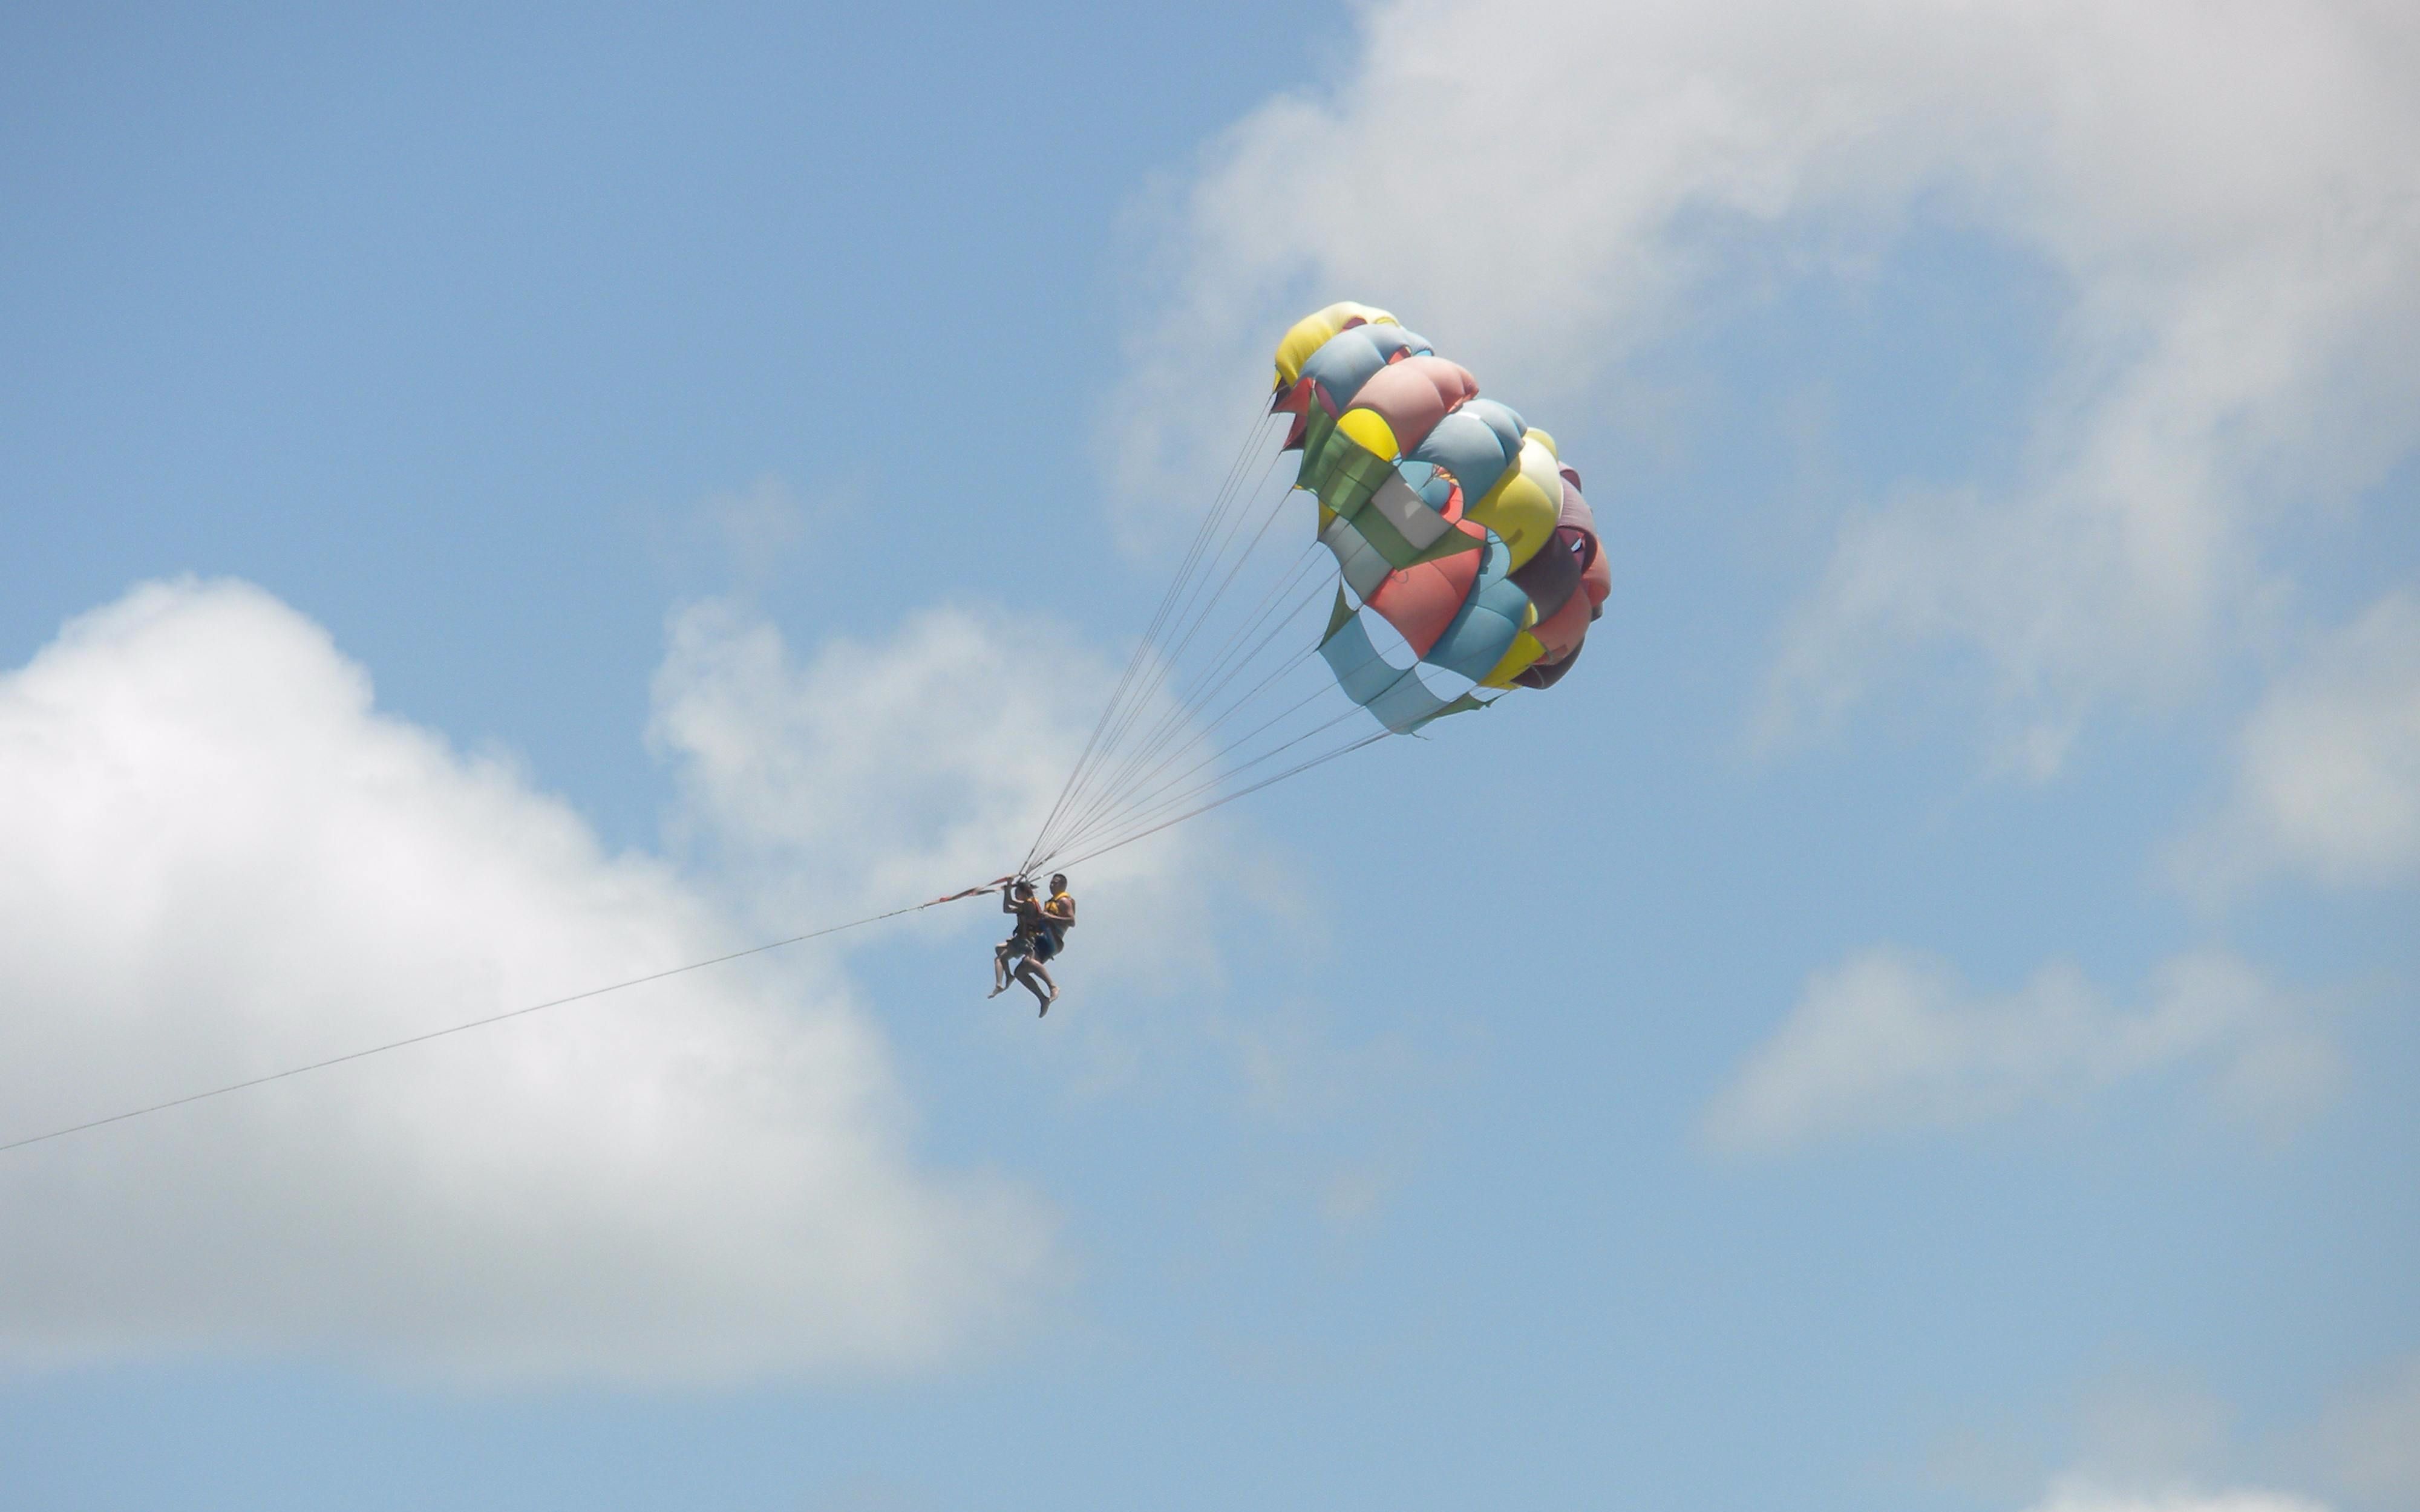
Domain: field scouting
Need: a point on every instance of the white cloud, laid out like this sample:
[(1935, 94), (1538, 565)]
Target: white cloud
[(2224, 193), (2153, 1445), (2086, 1497), (2371, 1439), (949, 741), (2327, 781), (911, 767), (221, 861), (1891, 1039)]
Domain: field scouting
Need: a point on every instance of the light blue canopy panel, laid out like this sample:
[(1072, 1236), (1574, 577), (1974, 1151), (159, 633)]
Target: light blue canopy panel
[(1483, 631), (1478, 443), (1395, 696), (1351, 358)]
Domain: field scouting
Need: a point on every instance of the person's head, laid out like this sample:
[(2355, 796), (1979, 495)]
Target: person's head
[(1059, 882), (1023, 889)]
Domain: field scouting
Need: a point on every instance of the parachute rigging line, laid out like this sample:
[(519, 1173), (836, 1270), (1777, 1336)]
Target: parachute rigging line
[(1210, 567), (1133, 822), (1155, 799), (1259, 429), (1193, 613), (1157, 802), (1142, 647), (1145, 786), (1371, 740), (1154, 754), (473, 1024), (1136, 774), (1209, 682)]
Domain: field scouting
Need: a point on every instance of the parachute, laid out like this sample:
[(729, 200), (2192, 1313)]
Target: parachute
[(1453, 556), (1453, 523)]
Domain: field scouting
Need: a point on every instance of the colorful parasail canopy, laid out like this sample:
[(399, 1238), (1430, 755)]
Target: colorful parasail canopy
[(1469, 561), (1468, 564)]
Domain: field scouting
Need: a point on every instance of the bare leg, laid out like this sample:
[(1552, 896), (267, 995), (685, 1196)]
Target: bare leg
[(1027, 974), (998, 969), (1031, 969)]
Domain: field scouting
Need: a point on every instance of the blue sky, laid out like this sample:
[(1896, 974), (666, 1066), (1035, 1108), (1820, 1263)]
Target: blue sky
[(508, 500)]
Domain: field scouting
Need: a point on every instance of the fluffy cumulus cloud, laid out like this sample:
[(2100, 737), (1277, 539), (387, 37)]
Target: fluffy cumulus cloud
[(2327, 783), (221, 860), (1891, 1039), (2222, 193)]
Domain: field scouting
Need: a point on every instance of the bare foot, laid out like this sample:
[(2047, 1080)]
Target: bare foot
[(997, 990), (1047, 1002)]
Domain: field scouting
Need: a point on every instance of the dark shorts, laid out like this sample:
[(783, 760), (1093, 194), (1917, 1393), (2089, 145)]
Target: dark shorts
[(1038, 945)]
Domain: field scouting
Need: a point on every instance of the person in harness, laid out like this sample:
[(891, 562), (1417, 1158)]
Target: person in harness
[(1058, 914), (1012, 954), (1039, 935)]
